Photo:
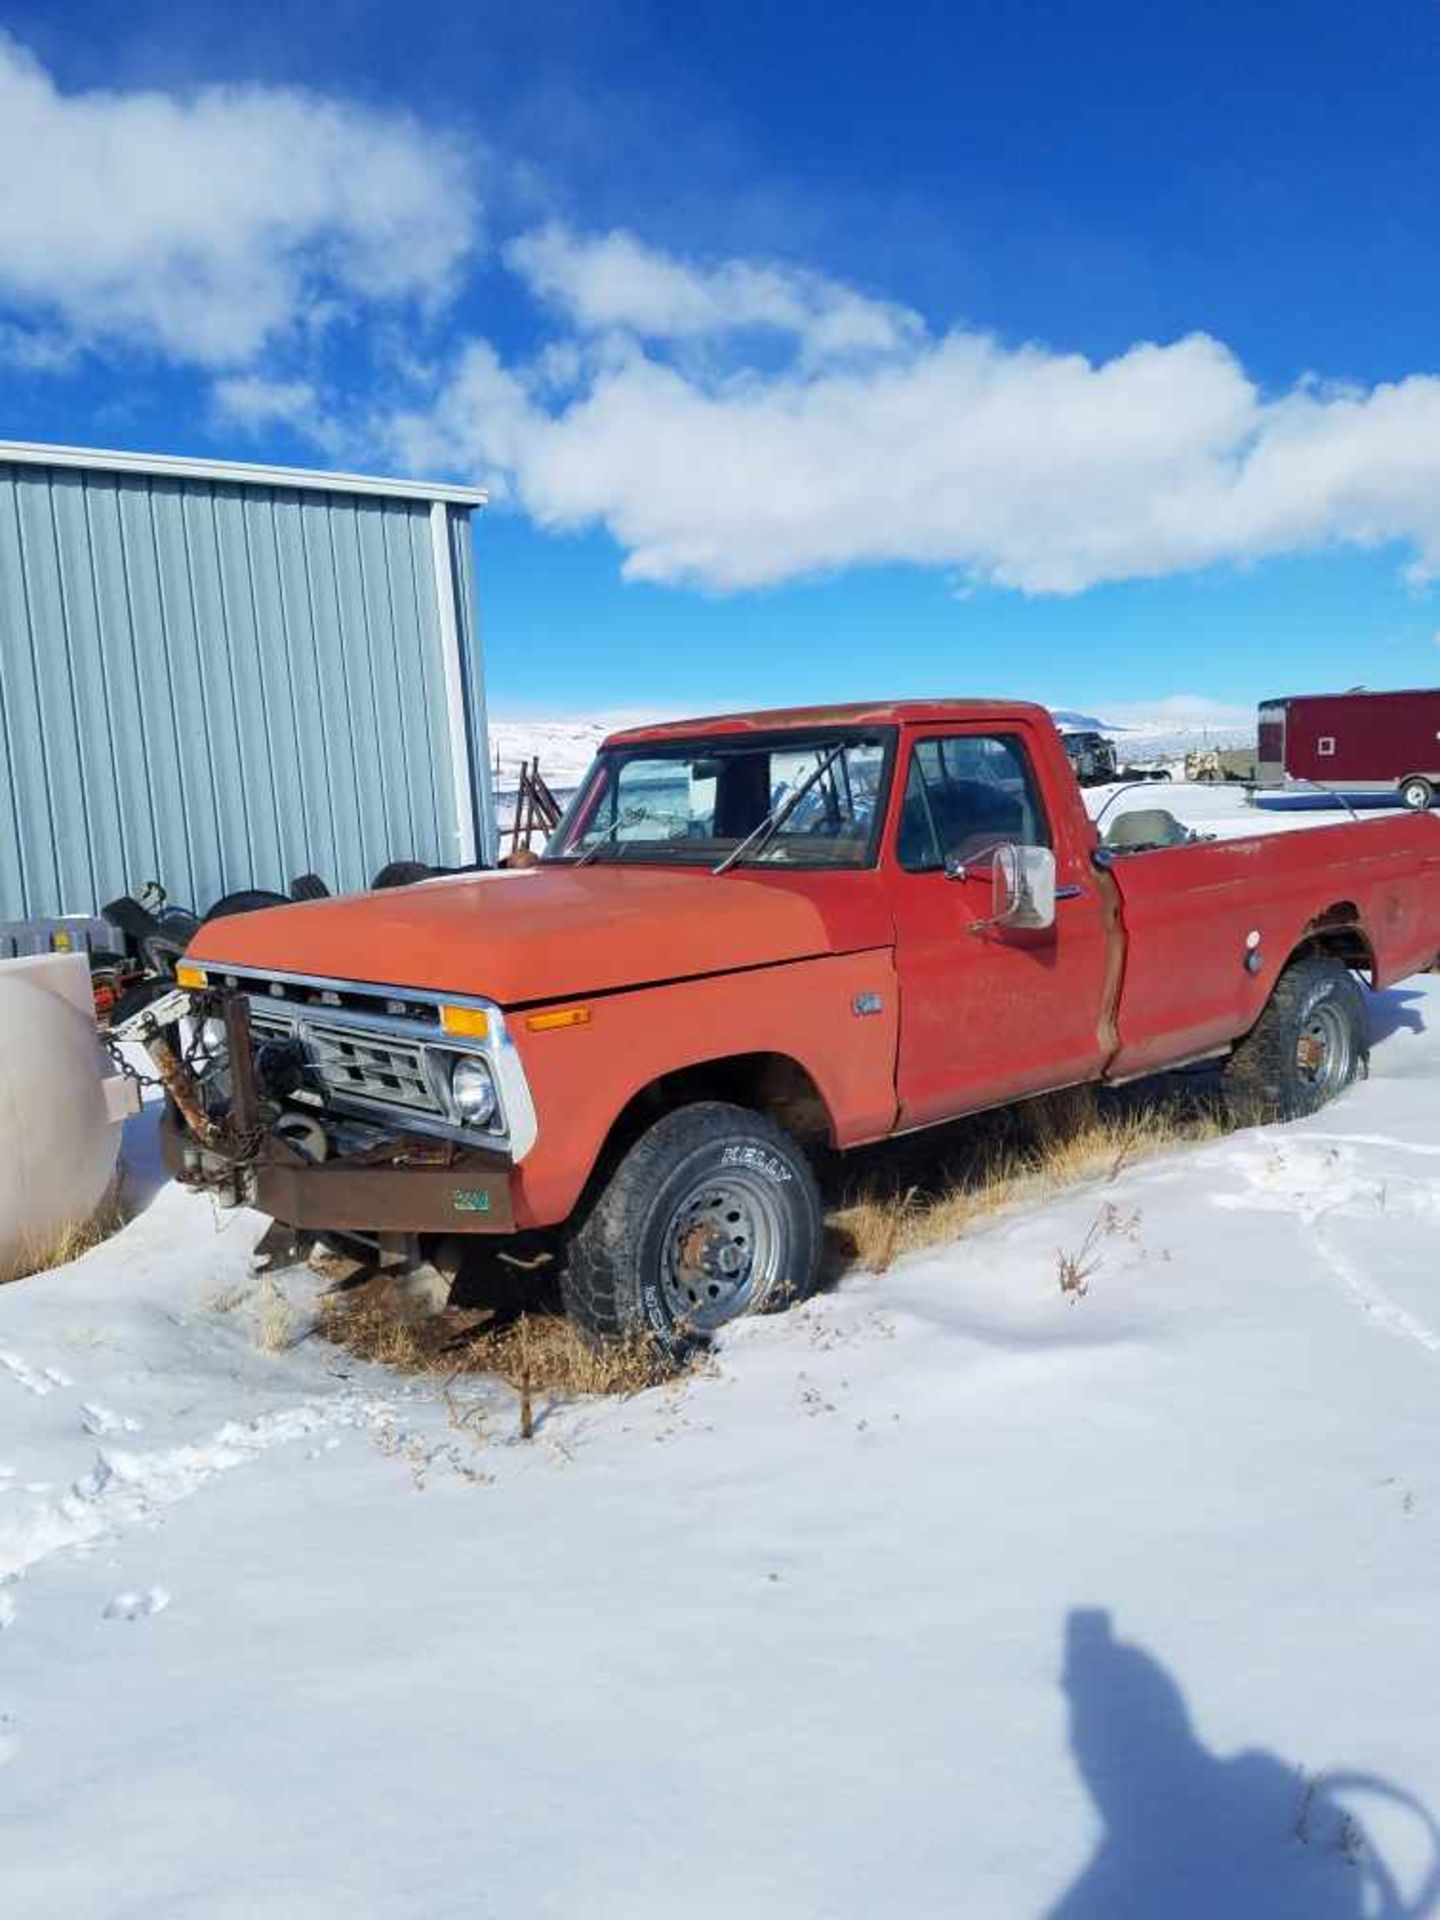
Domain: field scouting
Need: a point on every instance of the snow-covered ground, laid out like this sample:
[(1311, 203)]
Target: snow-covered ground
[(951, 1593)]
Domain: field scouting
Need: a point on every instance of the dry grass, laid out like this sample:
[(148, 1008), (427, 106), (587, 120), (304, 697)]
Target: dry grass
[(546, 1354), (376, 1323), (541, 1355), (228, 1299), (1076, 1268), (276, 1322), (1018, 1159), (59, 1249)]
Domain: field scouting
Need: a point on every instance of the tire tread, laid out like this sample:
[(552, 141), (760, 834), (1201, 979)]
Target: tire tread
[(1261, 1078), (599, 1281)]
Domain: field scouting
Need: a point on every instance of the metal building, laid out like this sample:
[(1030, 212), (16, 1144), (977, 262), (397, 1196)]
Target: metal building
[(222, 676)]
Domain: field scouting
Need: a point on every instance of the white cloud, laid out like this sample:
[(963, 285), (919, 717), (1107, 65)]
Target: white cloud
[(1020, 466), (483, 420), (205, 224), (733, 423), (615, 282), (35, 351), (250, 401)]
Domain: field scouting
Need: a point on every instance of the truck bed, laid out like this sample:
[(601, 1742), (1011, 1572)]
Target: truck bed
[(1194, 915)]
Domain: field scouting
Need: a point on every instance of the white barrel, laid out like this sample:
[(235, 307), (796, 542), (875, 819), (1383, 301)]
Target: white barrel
[(59, 1117)]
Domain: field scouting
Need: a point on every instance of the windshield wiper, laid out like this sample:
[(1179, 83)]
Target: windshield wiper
[(761, 835), (630, 818)]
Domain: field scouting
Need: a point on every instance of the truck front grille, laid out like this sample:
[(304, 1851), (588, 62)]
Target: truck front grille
[(352, 1063), (363, 1066), (267, 1026)]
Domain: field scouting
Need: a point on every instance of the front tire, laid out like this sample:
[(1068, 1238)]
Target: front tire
[(713, 1213), (1311, 1043), (1417, 794)]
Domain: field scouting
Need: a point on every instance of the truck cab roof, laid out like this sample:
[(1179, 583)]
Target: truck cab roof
[(860, 713)]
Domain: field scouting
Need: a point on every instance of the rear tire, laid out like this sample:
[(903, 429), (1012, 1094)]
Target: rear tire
[(1417, 793), (247, 900), (1311, 1043), (713, 1213)]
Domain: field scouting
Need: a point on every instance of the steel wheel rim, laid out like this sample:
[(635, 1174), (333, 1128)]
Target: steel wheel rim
[(721, 1249), (1325, 1049), (1416, 795)]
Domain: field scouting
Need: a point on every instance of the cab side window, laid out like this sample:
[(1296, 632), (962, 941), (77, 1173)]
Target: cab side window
[(964, 795)]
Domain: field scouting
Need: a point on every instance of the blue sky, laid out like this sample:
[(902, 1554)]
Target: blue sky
[(1084, 354)]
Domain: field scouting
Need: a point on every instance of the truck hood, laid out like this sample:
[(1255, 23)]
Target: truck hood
[(547, 933)]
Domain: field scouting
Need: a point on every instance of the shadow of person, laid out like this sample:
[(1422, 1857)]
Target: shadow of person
[(1191, 1836)]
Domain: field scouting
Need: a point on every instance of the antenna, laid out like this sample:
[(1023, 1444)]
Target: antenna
[(1129, 786)]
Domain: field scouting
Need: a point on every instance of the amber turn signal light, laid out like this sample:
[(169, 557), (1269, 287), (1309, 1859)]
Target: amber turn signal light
[(560, 1017), (469, 1023), (193, 977)]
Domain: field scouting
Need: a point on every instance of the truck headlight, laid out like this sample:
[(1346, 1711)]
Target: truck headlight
[(472, 1088)]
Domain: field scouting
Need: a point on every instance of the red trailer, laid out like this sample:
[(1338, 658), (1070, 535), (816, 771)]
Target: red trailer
[(1355, 742)]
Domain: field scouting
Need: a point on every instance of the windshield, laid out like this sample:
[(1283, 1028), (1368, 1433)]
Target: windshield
[(701, 800)]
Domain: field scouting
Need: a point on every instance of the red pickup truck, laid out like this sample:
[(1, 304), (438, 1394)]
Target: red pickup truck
[(753, 940)]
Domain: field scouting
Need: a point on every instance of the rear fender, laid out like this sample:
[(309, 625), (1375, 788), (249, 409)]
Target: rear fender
[(1339, 932)]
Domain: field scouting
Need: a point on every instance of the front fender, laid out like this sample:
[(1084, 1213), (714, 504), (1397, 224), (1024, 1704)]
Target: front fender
[(837, 1017)]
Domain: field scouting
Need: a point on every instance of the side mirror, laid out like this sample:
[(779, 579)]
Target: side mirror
[(1024, 883)]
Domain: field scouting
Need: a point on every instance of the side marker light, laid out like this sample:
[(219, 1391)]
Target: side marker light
[(559, 1017)]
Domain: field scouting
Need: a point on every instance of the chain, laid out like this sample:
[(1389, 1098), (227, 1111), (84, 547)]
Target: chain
[(125, 1067), (115, 1049), (235, 1144)]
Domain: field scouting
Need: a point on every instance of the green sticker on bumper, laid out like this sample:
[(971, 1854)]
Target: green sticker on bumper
[(475, 1202)]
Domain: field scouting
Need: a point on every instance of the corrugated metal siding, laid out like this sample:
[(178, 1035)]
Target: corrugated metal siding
[(218, 686)]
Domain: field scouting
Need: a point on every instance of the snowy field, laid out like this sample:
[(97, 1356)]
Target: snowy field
[(565, 747), (950, 1593)]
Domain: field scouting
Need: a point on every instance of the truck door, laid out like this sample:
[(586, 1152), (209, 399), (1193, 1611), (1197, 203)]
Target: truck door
[(988, 1014)]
